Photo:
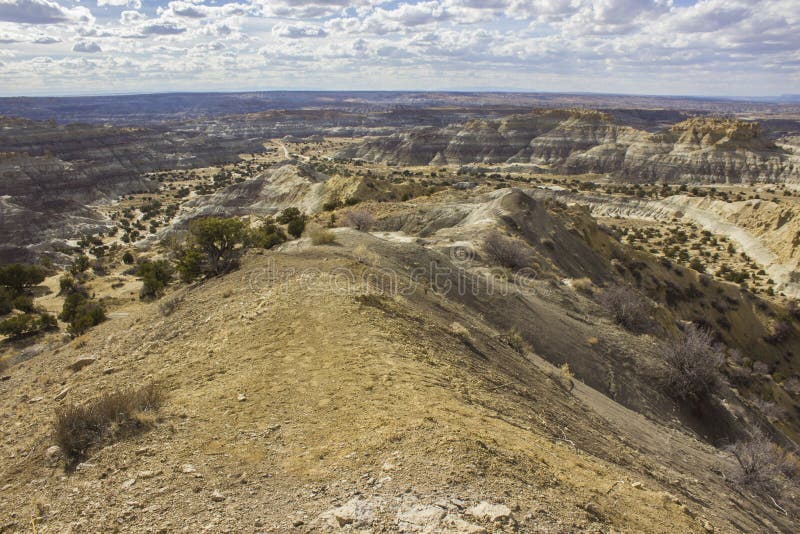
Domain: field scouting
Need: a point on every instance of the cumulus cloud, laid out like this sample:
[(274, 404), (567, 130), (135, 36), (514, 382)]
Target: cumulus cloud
[(298, 31), (42, 12), (162, 28), (86, 47), (133, 4), (46, 39)]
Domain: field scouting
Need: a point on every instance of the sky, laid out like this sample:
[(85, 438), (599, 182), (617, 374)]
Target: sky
[(657, 47)]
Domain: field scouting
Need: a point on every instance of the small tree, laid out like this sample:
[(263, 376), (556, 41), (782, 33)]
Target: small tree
[(220, 239), (87, 315), (19, 277), (692, 364), (80, 312)]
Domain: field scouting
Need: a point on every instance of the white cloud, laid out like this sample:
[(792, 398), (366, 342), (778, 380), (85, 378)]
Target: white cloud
[(133, 4), (162, 28), (297, 31), (619, 45), (86, 47), (42, 12)]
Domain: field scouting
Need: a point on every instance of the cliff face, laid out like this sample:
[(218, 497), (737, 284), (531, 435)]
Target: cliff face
[(582, 141)]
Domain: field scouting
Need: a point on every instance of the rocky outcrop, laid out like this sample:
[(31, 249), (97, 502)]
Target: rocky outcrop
[(270, 192), (584, 141)]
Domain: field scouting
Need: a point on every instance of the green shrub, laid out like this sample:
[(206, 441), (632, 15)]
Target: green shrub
[(189, 264), (79, 264), (24, 303), (27, 324), (6, 301), (67, 285), (266, 236), (288, 215), (155, 276), (87, 315), (81, 313), (128, 258), (296, 227), (19, 277)]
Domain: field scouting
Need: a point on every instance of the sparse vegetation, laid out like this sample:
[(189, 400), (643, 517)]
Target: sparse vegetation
[(109, 417)]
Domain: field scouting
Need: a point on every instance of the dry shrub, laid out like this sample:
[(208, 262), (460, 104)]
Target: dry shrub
[(3, 364), (321, 236), (563, 377), (361, 220), (505, 251), (761, 463), (516, 341), (583, 285), (628, 308), (167, 306), (692, 364), (105, 419)]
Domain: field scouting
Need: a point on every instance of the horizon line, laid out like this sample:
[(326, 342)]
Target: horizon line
[(406, 91)]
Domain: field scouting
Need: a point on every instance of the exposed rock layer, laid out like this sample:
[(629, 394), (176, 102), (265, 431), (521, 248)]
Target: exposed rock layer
[(581, 141)]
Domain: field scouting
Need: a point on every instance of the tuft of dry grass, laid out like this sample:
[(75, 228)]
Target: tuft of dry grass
[(109, 417), (583, 285), (321, 236)]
